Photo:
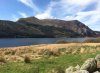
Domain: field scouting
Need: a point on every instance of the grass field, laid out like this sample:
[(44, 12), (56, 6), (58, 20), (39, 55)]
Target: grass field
[(49, 63), (45, 65)]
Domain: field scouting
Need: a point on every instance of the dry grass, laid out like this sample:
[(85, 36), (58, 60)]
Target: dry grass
[(2, 59), (39, 51)]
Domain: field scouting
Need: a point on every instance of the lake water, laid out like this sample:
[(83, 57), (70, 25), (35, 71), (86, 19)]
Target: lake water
[(14, 42)]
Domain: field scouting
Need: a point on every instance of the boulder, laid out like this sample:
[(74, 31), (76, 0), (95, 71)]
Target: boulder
[(89, 65), (98, 60), (77, 67), (97, 57), (71, 69), (81, 71)]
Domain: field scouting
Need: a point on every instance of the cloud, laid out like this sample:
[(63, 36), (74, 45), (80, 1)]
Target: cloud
[(14, 18), (78, 2), (30, 4), (47, 13), (64, 8), (44, 15), (90, 18), (24, 15), (76, 10), (94, 19), (69, 10)]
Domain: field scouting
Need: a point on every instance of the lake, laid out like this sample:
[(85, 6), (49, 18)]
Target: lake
[(14, 42)]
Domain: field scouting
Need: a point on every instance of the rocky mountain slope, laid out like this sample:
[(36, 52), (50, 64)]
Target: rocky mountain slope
[(50, 28), (15, 29)]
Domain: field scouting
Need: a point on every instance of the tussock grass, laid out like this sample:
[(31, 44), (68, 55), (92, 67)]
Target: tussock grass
[(45, 65), (27, 59), (39, 51), (2, 59), (46, 58)]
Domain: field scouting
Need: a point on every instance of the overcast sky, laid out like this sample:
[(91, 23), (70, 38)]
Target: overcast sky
[(86, 11)]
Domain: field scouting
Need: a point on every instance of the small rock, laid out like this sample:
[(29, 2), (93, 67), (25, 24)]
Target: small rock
[(89, 65)]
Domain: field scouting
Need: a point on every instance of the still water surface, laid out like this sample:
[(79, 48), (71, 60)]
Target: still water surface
[(14, 42)]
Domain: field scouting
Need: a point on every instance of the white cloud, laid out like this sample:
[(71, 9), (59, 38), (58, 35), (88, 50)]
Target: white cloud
[(78, 2), (89, 13), (14, 18), (94, 19), (90, 18), (69, 10), (47, 13), (74, 10), (24, 15), (98, 5), (64, 8), (44, 15), (30, 4), (69, 18)]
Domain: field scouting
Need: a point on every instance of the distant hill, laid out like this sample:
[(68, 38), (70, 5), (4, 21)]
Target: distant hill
[(32, 27)]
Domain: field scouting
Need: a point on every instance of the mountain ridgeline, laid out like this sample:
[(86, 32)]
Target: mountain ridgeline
[(32, 27)]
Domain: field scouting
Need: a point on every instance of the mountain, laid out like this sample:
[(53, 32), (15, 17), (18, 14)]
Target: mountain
[(32, 27), (74, 25), (14, 29), (97, 33)]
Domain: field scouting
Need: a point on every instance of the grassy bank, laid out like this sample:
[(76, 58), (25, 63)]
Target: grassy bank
[(46, 58), (46, 65)]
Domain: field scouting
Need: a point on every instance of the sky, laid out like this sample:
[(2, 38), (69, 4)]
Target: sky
[(86, 11)]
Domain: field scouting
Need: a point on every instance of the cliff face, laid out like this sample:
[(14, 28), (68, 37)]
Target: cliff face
[(73, 25), (50, 28)]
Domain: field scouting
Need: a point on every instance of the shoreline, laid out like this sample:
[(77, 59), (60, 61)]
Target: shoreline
[(42, 50), (55, 45)]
